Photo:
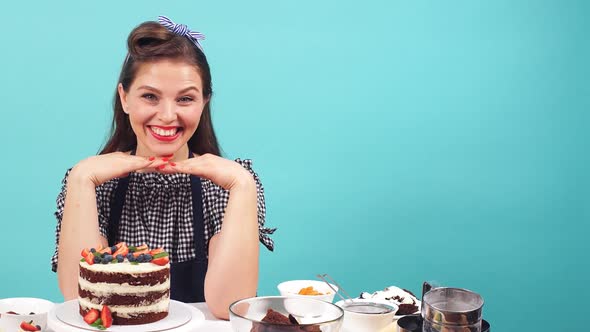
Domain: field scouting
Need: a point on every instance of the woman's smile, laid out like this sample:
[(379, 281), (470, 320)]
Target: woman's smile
[(165, 133)]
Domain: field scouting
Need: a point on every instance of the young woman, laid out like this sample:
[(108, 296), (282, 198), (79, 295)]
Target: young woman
[(160, 179)]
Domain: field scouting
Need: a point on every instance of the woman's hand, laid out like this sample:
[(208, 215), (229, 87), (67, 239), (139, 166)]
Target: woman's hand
[(223, 172), (102, 168), (234, 250)]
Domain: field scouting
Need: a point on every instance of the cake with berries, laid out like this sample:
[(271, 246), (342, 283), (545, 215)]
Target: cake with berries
[(133, 282)]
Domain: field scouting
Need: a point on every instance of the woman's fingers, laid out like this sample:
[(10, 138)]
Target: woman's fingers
[(194, 166), (223, 172), (153, 166)]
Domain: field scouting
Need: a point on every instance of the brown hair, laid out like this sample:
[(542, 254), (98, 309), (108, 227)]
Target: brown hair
[(148, 42)]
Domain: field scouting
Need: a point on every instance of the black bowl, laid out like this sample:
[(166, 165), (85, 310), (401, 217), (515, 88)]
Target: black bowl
[(413, 323), (410, 323)]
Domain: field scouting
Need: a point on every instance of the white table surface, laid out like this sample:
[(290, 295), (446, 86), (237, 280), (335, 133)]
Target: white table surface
[(210, 324)]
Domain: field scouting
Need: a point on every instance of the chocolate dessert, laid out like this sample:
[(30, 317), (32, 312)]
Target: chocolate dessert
[(133, 282), (278, 322), (406, 309), (405, 300)]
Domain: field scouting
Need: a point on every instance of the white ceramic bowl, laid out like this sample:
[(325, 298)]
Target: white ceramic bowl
[(291, 289), (23, 306), (367, 322), (386, 302)]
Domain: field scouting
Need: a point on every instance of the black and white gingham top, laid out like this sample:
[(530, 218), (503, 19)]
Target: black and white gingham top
[(154, 202)]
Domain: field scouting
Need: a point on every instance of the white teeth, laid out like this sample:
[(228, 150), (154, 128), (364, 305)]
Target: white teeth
[(163, 132)]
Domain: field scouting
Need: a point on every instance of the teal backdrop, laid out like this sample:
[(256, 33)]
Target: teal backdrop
[(398, 141)]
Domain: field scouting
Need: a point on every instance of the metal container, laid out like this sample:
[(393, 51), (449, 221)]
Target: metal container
[(451, 310)]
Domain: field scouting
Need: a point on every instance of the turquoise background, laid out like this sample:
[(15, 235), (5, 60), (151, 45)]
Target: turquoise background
[(398, 141)]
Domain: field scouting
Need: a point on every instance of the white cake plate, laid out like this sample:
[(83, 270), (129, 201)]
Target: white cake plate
[(66, 317)]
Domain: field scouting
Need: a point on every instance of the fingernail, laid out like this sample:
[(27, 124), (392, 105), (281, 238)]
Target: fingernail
[(152, 158), (168, 156), (172, 163), (165, 159), (161, 166)]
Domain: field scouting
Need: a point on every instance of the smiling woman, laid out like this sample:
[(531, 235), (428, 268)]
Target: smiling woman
[(164, 105), (160, 182)]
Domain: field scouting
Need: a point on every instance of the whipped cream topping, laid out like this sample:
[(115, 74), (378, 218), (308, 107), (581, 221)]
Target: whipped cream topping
[(393, 294), (124, 267), (106, 289)]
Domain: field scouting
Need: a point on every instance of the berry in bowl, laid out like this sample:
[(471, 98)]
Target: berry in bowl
[(314, 289), (24, 314), (284, 314)]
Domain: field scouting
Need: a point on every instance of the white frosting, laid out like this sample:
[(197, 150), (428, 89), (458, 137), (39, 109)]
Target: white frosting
[(124, 267), (127, 311), (105, 288), (389, 293)]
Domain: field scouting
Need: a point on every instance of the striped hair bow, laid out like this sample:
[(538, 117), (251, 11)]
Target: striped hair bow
[(182, 30)]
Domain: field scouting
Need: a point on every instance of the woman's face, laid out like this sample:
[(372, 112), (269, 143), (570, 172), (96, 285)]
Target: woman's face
[(164, 104)]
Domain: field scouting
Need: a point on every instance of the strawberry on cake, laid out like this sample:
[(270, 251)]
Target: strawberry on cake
[(132, 282)]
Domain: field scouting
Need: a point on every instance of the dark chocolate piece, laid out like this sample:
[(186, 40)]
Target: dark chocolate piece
[(277, 322), (406, 309)]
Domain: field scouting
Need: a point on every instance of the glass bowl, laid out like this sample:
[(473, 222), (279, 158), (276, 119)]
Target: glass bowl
[(312, 315)]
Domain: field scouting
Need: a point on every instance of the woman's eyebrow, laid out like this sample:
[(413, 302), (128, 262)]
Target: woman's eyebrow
[(188, 89), (151, 88)]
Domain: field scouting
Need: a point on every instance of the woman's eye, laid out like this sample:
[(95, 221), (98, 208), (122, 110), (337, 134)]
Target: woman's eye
[(149, 97), (185, 99)]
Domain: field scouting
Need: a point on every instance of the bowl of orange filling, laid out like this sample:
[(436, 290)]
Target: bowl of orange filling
[(313, 289)]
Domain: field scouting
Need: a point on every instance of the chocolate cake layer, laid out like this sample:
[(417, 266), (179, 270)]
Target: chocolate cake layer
[(144, 318), (119, 299), (141, 279)]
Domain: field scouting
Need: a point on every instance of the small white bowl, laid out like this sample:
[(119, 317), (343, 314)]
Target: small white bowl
[(291, 289), (367, 322), (23, 306)]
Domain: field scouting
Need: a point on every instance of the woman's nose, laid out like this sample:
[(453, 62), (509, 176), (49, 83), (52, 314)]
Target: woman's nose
[(167, 113)]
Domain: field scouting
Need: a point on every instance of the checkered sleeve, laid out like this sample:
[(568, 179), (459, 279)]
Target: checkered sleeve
[(60, 202), (103, 194), (217, 199)]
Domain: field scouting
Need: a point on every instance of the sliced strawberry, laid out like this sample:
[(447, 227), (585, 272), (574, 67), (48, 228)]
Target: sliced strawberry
[(89, 258), (137, 253), (142, 247), (106, 250), (156, 251), (123, 250), (84, 252), (91, 316), (161, 261), (28, 327), (106, 317)]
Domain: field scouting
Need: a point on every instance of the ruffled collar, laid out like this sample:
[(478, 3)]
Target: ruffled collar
[(155, 178)]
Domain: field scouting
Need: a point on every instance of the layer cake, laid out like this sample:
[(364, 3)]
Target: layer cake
[(134, 286)]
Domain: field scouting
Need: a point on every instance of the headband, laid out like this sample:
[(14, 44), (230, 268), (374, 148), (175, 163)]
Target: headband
[(182, 30)]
